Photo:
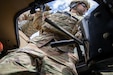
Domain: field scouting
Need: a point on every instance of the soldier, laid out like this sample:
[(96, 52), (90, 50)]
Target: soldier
[(25, 21), (38, 56), (79, 11)]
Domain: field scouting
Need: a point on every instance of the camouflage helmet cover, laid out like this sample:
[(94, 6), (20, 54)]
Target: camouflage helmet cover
[(73, 3)]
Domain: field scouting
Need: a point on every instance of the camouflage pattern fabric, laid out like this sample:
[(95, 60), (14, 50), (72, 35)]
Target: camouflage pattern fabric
[(21, 62), (28, 28), (40, 57), (63, 58), (62, 20), (67, 22), (29, 59), (29, 25)]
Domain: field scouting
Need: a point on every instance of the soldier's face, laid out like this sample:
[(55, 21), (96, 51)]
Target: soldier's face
[(81, 9)]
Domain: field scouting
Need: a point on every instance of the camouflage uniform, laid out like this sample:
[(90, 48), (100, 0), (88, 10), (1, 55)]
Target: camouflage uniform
[(40, 57), (26, 25), (28, 29)]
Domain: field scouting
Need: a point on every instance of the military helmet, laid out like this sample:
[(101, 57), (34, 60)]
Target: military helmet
[(74, 3)]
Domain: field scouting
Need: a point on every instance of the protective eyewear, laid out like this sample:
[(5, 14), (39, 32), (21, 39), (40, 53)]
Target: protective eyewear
[(74, 4)]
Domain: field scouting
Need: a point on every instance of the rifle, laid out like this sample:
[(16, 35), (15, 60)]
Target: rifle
[(74, 40)]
